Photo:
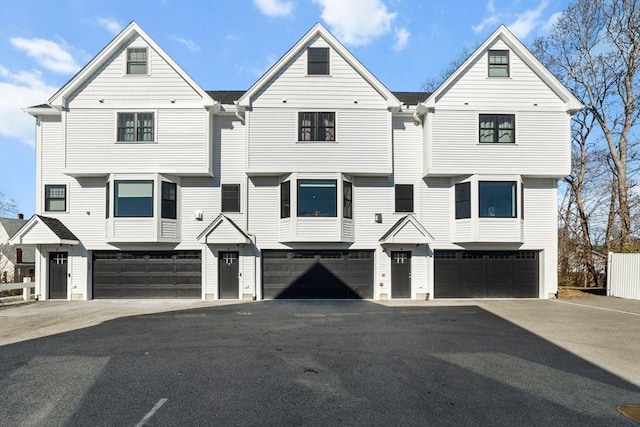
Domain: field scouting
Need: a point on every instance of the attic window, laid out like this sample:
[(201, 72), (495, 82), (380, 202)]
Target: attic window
[(137, 60), (318, 61), (498, 63)]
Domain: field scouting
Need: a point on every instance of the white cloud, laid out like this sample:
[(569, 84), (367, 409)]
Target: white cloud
[(522, 24), (274, 7), (402, 38), (19, 90), (547, 27), (357, 23), (190, 44), (526, 21), (110, 24), (48, 54)]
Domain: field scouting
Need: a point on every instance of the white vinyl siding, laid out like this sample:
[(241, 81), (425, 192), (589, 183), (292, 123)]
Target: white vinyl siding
[(110, 83), (91, 144), (541, 146), (273, 146), (339, 90)]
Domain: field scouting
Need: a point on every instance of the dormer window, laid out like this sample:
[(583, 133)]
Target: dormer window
[(318, 61), (498, 63), (137, 60)]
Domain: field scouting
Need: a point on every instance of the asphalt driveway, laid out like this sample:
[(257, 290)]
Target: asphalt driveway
[(566, 362)]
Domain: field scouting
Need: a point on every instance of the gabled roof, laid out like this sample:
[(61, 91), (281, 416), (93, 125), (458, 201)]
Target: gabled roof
[(43, 230), (506, 36), (406, 230), (223, 230), (12, 225), (319, 31), (59, 99)]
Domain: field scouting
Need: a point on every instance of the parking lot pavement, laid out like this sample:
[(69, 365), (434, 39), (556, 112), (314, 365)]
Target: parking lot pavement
[(530, 362)]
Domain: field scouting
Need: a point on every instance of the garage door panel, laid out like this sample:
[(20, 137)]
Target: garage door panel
[(486, 274), (318, 274), (140, 274)]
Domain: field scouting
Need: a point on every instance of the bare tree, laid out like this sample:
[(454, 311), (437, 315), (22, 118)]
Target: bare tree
[(594, 50), (432, 83)]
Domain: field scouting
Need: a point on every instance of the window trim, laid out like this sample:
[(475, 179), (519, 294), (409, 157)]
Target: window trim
[(130, 181), (491, 66), (136, 128), (398, 200), (129, 62), (328, 61), (236, 200), (170, 203), (285, 202), (496, 128), (514, 202), (314, 128), (335, 201), (460, 202), (48, 198)]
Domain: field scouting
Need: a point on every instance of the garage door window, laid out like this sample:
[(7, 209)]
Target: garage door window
[(497, 199), (134, 198), (317, 198)]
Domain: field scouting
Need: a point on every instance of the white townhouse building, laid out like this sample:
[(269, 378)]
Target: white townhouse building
[(316, 182)]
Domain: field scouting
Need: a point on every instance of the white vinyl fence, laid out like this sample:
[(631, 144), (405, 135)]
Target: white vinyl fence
[(623, 278)]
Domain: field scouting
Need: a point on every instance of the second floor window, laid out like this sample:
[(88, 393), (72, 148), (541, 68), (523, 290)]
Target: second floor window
[(317, 198), (134, 127), (55, 198), (404, 197), (169, 203), (230, 197), (316, 126), (133, 199), (285, 199), (347, 199), (497, 199), (463, 200), (137, 60), (497, 128)]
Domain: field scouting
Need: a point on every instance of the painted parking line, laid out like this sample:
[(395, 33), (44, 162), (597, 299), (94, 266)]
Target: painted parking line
[(153, 410), (598, 308)]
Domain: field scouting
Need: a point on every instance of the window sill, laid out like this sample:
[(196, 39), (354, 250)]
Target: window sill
[(316, 142), (497, 143), (136, 142)]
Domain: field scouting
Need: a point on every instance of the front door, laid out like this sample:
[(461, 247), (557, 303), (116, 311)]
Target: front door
[(58, 275), (401, 274), (228, 271)]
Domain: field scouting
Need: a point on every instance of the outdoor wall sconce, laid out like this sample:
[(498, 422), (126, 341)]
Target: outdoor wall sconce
[(379, 218)]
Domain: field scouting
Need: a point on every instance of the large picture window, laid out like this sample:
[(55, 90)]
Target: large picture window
[(137, 60), (316, 126), (318, 61), (498, 63), (55, 198), (169, 203), (317, 198), (134, 127), (497, 199), (497, 128), (463, 200), (133, 198)]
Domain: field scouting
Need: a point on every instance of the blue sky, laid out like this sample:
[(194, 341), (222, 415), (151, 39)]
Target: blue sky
[(225, 44)]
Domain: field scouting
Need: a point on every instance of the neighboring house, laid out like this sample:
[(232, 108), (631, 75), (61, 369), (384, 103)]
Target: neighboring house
[(16, 263), (316, 182)]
